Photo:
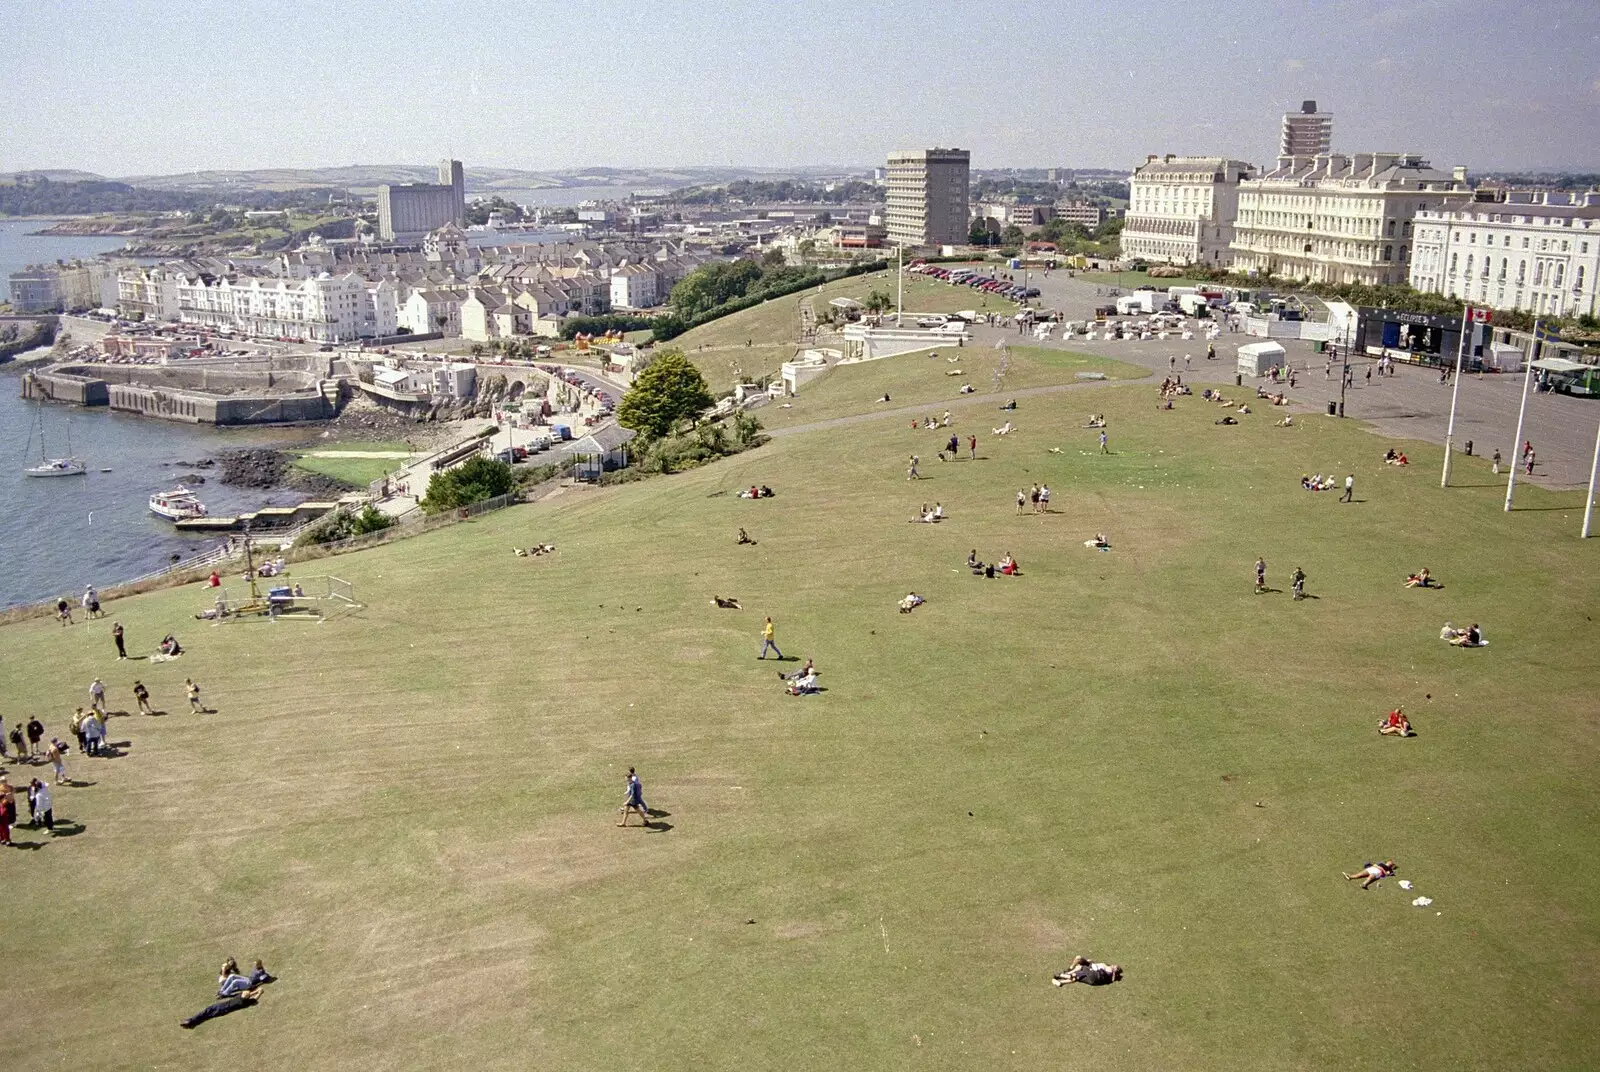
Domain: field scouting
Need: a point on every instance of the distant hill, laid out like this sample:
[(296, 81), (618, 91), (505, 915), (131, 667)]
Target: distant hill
[(366, 178), (61, 175)]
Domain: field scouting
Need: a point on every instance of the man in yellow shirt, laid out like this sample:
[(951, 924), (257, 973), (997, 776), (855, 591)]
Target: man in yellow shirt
[(767, 642)]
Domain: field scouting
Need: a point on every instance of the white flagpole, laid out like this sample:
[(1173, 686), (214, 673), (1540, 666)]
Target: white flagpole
[(900, 291), (1455, 389), (1516, 448), (1594, 467)]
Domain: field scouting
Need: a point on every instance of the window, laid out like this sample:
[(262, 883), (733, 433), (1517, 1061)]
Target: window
[(1561, 273), (1577, 279), (1469, 266), (1522, 272), (1453, 257), (1538, 273)]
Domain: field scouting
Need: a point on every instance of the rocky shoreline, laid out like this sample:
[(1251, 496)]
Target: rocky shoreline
[(261, 467)]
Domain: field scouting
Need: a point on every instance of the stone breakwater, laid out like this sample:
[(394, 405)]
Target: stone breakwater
[(264, 468)]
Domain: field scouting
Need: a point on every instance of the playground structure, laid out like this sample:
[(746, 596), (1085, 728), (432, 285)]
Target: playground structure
[(287, 599)]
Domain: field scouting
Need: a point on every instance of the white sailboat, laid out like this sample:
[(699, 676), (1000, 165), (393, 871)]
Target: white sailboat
[(48, 466)]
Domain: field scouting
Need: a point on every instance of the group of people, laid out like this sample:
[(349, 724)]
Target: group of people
[(801, 682), (1395, 457), (952, 450), (41, 807), (1470, 637), (930, 516), (1297, 579), (1037, 498), (1007, 566), (756, 492)]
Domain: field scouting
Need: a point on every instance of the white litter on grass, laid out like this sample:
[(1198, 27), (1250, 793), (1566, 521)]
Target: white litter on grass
[(1423, 902), (1405, 884)]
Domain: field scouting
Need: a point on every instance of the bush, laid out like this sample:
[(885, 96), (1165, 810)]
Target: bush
[(343, 525), (600, 325), (475, 480)]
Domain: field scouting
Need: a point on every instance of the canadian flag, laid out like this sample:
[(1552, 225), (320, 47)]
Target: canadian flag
[(1479, 316)]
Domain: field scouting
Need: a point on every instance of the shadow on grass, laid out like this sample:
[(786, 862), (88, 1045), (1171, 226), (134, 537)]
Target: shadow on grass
[(69, 828)]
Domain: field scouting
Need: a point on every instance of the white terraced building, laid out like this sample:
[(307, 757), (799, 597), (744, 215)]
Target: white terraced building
[(1181, 209), (1332, 218), (321, 309), (1534, 250)]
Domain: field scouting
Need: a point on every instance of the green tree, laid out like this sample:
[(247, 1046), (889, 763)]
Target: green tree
[(978, 233), (669, 390), (773, 258), (711, 285), (370, 520), (877, 301), (1012, 235), (476, 479)]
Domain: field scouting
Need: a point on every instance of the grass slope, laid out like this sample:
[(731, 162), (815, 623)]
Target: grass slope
[(408, 812)]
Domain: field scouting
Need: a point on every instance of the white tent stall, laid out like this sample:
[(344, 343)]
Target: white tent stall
[(1257, 357)]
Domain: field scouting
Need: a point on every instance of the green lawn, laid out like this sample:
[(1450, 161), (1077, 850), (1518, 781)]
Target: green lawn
[(773, 328), (926, 379), (357, 471), (409, 812)]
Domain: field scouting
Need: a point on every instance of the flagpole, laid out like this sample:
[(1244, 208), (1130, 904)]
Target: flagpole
[(1516, 447), (1594, 467), (1455, 389)]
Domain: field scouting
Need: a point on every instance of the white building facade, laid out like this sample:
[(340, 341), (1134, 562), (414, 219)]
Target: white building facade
[(323, 309), (635, 286), (1181, 209), (1533, 250), (1333, 218)]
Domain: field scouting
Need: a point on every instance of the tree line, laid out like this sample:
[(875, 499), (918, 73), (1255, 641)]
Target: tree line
[(42, 197)]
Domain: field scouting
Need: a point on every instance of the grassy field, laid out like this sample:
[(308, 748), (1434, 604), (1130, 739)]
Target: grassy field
[(926, 379), (409, 811), (357, 471), (773, 327)]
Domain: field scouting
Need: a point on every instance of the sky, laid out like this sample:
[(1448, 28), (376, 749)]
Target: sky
[(129, 87)]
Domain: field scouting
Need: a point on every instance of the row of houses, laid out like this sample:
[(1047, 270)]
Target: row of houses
[(448, 288)]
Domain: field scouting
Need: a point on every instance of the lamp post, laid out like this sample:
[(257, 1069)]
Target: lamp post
[(1469, 317)]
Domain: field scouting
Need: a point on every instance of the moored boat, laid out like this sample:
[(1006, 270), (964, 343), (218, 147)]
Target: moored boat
[(179, 504)]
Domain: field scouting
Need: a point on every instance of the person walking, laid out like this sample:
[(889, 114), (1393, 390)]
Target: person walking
[(1261, 574), (1211, 351), (42, 804), (767, 641), (911, 472), (972, 447), (1297, 581), (97, 695), (1496, 463), (57, 755), (116, 635), (1188, 359), (1528, 460), (7, 755), (1022, 501), (142, 694), (35, 735), (19, 744), (634, 802), (64, 611), (1103, 448), (194, 694), (8, 810), (1349, 489)]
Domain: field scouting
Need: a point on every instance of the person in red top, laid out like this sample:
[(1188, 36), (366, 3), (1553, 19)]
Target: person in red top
[(214, 581), (1396, 724), (972, 447)]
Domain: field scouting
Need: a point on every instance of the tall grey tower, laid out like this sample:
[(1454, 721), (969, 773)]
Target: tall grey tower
[(1307, 132), (452, 175)]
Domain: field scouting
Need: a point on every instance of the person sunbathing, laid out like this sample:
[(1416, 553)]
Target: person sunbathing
[(911, 602), (809, 668), (1470, 637), (1091, 972), (1373, 873), (1226, 420), (1097, 421), (1401, 460), (231, 983), (1420, 579), (804, 685), (1009, 567), (1099, 542), (966, 389), (1004, 429), (1396, 724), (726, 602)]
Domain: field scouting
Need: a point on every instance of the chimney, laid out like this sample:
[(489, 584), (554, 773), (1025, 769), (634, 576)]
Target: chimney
[(1459, 173), (1308, 107)]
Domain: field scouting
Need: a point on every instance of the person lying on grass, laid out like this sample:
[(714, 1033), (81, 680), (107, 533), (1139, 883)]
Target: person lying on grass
[(726, 602), (1396, 724), (795, 675), (911, 602), (1420, 579), (231, 982), (1091, 972), (1372, 873), (804, 685)]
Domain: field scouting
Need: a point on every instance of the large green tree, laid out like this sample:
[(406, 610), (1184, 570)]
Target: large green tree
[(711, 285), (668, 390), (476, 479)]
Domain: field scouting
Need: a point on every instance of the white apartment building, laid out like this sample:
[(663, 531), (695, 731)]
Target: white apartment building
[(148, 293), (1307, 132), (927, 197), (1181, 209), (321, 309), (1333, 218), (634, 286), (425, 312), (1535, 250)]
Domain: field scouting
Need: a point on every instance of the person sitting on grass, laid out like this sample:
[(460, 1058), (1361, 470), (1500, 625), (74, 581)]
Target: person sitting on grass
[(1097, 420), (1420, 579), (1396, 724), (1390, 455), (1091, 972), (231, 982), (804, 685), (744, 538), (972, 560), (1287, 422), (809, 668), (1009, 567), (1099, 543), (170, 647), (911, 602), (1371, 873), (1470, 637)]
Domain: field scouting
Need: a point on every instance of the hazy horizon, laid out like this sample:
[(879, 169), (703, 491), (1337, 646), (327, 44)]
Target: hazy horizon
[(753, 84)]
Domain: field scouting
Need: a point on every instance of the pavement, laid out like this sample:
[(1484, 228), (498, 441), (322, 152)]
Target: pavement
[(1412, 404)]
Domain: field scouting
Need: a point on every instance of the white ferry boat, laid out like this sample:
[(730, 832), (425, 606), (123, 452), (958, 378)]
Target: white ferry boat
[(178, 504)]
